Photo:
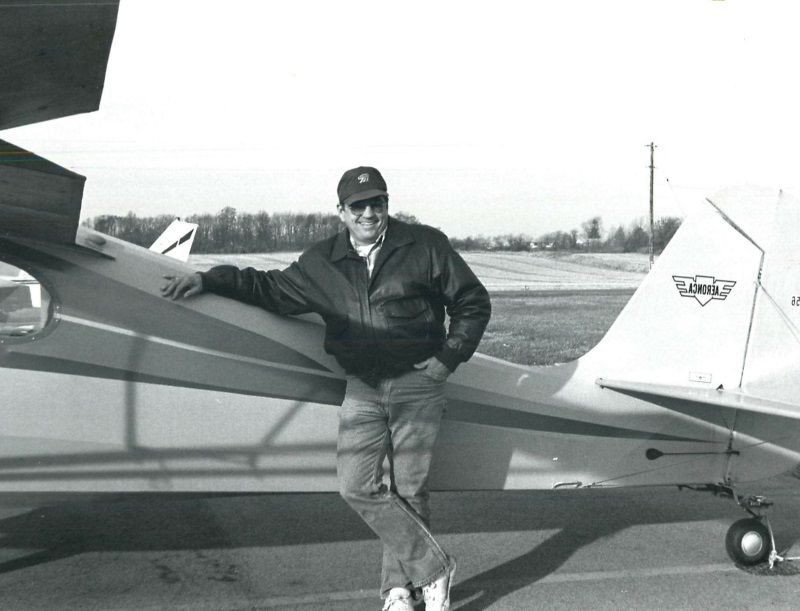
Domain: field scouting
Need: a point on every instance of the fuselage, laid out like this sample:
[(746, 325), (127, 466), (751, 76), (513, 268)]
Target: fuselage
[(123, 390)]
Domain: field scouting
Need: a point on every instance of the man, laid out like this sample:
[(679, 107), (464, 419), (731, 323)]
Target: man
[(382, 287)]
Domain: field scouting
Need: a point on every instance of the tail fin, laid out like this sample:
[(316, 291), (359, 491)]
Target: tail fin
[(176, 241), (721, 307)]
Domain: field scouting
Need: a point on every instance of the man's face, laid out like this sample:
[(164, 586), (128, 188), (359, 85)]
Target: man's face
[(366, 219)]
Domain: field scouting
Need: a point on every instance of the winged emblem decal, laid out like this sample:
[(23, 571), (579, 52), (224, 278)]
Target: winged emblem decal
[(703, 288)]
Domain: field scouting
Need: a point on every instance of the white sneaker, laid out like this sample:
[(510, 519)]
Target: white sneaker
[(399, 599), (437, 594)]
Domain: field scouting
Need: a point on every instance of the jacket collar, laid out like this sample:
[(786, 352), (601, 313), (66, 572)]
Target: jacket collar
[(397, 234)]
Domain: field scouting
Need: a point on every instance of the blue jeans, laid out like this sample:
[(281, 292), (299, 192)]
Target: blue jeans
[(400, 419)]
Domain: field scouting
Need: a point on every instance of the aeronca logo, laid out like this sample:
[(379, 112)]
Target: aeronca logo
[(703, 288)]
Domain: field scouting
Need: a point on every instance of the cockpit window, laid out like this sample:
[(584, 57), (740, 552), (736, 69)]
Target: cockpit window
[(24, 303)]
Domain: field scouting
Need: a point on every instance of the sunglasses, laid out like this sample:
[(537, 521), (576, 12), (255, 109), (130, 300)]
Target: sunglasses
[(359, 208)]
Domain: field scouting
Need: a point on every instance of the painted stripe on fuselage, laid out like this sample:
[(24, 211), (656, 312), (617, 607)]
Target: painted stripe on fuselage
[(474, 413), (192, 348), (68, 367)]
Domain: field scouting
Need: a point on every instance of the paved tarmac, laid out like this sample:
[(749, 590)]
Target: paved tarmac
[(645, 548)]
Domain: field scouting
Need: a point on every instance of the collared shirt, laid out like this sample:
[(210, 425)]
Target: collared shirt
[(369, 252)]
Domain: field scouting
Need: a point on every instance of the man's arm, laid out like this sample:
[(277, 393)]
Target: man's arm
[(282, 292), (467, 303)]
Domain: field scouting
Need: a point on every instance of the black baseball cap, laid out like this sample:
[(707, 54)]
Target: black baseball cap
[(360, 183)]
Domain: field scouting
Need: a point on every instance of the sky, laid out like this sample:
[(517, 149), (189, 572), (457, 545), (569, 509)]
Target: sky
[(484, 118)]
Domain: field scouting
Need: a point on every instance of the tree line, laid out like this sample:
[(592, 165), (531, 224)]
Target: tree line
[(634, 237), (228, 231), (231, 231), (590, 237)]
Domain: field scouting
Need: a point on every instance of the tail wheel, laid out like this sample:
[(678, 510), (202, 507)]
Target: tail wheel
[(748, 541)]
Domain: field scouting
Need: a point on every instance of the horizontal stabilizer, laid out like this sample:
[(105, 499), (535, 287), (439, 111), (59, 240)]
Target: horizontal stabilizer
[(734, 399), (38, 199), (54, 58)]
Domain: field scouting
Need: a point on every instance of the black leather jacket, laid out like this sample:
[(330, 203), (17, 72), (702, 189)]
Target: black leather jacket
[(376, 326)]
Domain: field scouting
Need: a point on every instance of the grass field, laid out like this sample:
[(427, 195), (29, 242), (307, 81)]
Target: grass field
[(502, 271), (547, 308), (548, 327)]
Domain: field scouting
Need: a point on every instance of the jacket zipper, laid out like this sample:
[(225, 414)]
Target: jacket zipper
[(366, 302)]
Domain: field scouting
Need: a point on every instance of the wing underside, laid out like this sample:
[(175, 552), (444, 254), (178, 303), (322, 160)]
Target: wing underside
[(38, 199), (54, 58)]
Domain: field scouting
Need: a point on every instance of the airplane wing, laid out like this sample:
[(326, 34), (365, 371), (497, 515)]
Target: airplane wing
[(734, 399), (54, 58), (38, 199)]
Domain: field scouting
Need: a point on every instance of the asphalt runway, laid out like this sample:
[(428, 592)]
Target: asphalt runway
[(643, 548)]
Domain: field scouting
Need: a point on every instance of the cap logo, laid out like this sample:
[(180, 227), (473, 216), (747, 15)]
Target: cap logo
[(362, 178)]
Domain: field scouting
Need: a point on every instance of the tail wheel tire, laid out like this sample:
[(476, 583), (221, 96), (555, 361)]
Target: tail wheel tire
[(748, 541)]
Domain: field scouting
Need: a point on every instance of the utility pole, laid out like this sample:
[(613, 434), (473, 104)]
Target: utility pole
[(652, 226)]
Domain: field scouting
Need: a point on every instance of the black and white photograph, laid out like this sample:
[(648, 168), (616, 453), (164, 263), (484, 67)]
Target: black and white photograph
[(419, 306)]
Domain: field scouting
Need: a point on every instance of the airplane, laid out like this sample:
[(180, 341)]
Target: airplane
[(177, 240), (28, 315), (694, 385)]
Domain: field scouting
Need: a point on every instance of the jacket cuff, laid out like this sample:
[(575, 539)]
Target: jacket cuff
[(208, 283), (449, 357), (211, 279)]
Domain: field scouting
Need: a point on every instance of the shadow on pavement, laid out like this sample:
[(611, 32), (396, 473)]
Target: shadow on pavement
[(191, 522), (585, 516)]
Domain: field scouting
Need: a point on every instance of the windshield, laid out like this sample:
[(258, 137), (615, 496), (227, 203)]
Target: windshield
[(24, 303)]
